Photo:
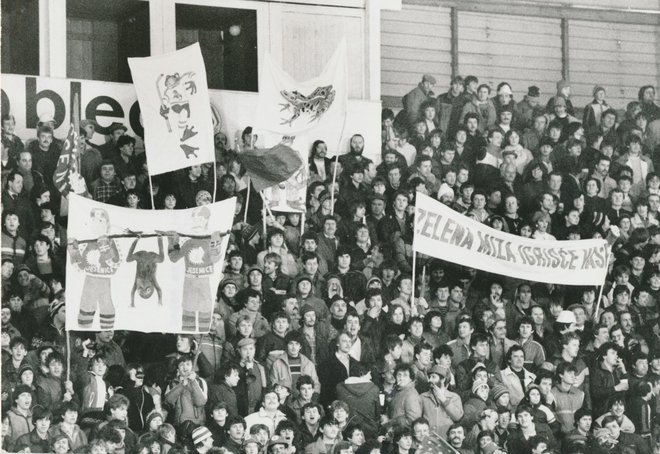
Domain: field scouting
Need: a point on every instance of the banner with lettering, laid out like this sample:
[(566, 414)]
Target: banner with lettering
[(144, 270), (445, 234), (175, 103)]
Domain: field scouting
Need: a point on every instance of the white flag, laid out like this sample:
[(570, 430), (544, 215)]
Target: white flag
[(144, 270), (315, 107), (176, 112)]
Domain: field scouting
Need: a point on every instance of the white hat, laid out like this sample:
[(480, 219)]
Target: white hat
[(566, 317), (46, 118), (505, 90)]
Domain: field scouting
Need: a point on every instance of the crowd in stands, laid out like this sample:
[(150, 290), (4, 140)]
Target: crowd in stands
[(316, 344)]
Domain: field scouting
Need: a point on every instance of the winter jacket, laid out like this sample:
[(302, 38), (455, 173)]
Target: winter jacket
[(441, 415), (77, 440), (280, 373), (260, 325), (602, 385), (20, 425), (35, 442), (485, 122), (592, 114), (223, 393), (362, 398), (413, 100), (566, 404), (331, 373), (50, 391), (508, 378), (217, 351), (261, 417), (13, 247), (405, 406), (90, 389), (188, 399), (472, 409), (249, 389)]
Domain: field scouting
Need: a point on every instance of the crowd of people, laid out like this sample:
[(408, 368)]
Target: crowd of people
[(316, 343)]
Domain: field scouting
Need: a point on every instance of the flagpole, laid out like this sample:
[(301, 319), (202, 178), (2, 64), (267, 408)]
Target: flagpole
[(413, 305), (215, 177), (247, 199), (602, 287), (302, 223), (332, 188)]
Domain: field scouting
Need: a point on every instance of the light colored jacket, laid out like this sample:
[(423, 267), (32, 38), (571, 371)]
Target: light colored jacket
[(280, 372), (188, 400), (441, 415), (508, 378)]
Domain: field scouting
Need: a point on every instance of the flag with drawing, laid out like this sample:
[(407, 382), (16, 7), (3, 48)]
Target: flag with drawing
[(176, 111), (314, 107), (143, 270)]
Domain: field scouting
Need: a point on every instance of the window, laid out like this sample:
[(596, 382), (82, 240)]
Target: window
[(20, 37), (102, 34), (228, 39)]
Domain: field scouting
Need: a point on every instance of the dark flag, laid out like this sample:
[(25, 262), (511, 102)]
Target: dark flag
[(268, 167), (67, 178)]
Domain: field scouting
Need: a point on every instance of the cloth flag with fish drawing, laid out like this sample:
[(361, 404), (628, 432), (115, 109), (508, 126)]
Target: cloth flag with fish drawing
[(176, 112), (315, 107)]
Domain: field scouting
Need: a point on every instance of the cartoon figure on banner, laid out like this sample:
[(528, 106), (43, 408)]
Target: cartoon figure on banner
[(316, 104), (200, 253), (145, 271), (99, 259), (175, 91)]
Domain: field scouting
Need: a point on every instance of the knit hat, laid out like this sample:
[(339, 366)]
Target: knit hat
[(303, 277), (563, 84), (21, 389), (200, 434), (560, 101), (153, 415), (533, 92), (55, 306), (596, 89), (323, 196), (24, 368), (22, 267), (478, 384), (498, 391), (566, 317), (306, 308)]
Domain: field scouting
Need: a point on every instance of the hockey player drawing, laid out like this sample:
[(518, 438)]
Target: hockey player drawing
[(99, 260), (175, 92), (200, 253)]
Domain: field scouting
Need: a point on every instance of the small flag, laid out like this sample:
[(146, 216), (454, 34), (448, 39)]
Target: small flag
[(66, 177), (268, 167), (435, 444)]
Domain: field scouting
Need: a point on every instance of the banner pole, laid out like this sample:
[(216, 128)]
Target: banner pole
[(302, 223), (215, 179), (332, 188), (413, 305), (247, 199), (602, 287), (68, 355), (423, 287)]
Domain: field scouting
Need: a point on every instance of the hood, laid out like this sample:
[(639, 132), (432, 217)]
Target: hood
[(358, 389)]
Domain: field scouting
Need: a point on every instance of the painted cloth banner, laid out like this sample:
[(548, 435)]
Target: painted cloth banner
[(122, 273), (176, 112), (445, 234), (316, 107)]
